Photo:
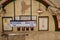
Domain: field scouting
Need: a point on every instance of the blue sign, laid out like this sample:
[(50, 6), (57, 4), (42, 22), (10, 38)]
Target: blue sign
[(20, 23)]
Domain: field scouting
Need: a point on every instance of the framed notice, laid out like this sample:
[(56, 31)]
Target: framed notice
[(25, 17), (6, 24), (43, 23), (28, 17)]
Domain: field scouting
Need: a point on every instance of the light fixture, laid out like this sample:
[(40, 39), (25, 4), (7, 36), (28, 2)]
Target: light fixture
[(39, 10)]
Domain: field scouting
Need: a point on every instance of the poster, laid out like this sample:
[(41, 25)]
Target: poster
[(6, 24), (43, 23)]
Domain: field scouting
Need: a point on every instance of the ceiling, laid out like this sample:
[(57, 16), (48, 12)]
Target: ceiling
[(54, 2)]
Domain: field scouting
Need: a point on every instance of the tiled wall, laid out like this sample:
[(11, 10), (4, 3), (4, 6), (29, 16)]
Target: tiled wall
[(35, 6)]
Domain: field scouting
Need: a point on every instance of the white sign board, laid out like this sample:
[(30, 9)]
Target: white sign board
[(19, 23)]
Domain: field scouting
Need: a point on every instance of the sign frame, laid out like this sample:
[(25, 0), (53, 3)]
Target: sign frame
[(44, 21), (4, 29)]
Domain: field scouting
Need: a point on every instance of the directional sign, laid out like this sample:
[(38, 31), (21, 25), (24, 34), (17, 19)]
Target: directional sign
[(20, 23)]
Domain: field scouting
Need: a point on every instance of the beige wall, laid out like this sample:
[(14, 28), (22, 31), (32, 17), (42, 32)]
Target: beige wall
[(10, 12)]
